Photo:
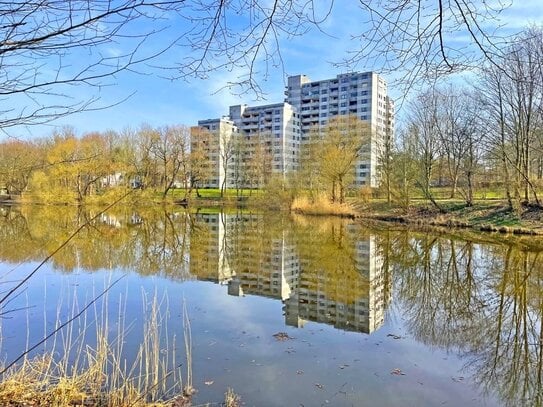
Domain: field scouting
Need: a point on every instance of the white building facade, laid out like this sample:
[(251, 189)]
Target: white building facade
[(219, 133), (268, 136), (362, 94)]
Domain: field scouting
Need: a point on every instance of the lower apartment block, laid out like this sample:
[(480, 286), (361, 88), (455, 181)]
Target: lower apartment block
[(250, 145)]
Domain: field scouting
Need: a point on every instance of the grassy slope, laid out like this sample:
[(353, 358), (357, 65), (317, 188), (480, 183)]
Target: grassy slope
[(490, 215)]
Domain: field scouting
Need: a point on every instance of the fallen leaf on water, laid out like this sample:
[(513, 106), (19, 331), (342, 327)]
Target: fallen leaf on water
[(318, 385), (458, 379), (343, 366), (209, 382), (299, 372), (282, 336), (397, 372), (395, 336)]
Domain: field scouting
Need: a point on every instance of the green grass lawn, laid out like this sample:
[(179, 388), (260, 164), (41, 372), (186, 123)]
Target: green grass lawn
[(213, 193)]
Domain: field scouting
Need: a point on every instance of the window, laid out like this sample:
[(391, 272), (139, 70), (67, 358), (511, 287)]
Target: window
[(277, 127), (364, 101), (324, 91), (343, 88), (277, 111), (277, 120), (324, 99), (343, 104), (323, 114)]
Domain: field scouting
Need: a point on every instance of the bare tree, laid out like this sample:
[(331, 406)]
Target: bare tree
[(424, 137), (460, 138), (385, 154), (420, 39), (404, 171), (417, 38), (226, 152), (513, 102), (171, 151), (201, 158), (48, 47)]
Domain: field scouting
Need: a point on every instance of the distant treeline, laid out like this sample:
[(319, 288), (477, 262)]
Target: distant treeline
[(485, 135)]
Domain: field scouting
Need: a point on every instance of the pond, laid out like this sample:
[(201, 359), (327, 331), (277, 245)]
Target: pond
[(285, 310)]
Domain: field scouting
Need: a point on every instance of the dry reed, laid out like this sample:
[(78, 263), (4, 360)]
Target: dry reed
[(321, 206), (100, 374)]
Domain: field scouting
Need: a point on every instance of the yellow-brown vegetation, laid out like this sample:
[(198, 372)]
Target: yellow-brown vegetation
[(321, 206)]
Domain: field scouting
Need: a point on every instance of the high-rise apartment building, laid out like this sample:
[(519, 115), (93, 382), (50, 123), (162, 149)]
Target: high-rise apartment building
[(274, 133), (363, 95)]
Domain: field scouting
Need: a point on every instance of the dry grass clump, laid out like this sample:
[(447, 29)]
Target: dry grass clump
[(231, 399), (101, 375), (321, 206)]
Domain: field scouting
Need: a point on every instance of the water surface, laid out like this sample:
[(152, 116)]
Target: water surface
[(285, 310)]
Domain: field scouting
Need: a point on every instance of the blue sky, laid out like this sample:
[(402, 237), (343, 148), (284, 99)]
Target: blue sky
[(159, 101)]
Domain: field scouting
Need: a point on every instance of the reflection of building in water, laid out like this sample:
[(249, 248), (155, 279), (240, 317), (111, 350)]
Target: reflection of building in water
[(208, 260), (120, 221), (234, 249), (237, 250), (246, 259), (349, 301), (270, 270)]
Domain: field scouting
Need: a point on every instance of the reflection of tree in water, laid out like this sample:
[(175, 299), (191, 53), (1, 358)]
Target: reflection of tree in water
[(146, 241), (439, 289), (511, 358), (484, 301), (329, 260)]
